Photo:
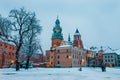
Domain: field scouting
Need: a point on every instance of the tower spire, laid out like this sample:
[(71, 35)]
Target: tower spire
[(77, 32), (57, 22), (77, 39), (69, 39)]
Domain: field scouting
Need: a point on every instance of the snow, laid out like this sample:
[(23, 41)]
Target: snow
[(109, 51), (65, 46), (60, 74), (118, 51)]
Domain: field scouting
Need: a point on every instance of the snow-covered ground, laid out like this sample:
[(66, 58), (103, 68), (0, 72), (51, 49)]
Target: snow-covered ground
[(60, 74)]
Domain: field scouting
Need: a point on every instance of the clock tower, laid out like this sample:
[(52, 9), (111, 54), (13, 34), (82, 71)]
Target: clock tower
[(57, 35)]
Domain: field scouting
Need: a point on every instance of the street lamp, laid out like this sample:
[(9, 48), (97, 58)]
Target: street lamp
[(12, 61)]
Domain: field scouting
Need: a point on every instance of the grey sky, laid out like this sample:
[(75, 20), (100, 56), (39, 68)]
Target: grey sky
[(97, 20)]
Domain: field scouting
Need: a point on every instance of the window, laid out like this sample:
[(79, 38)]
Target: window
[(51, 56), (51, 62), (58, 56), (0, 44), (67, 50), (73, 56), (108, 56), (67, 56), (13, 48), (105, 60), (58, 62), (111, 56), (108, 60), (48, 58), (10, 47), (5, 46), (105, 56), (10, 54), (111, 60)]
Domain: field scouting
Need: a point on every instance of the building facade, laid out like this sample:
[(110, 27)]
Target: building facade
[(110, 59), (118, 60), (7, 54), (65, 53), (66, 56), (91, 57)]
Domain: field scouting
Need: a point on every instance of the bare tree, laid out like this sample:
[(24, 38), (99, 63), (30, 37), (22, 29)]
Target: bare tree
[(5, 25), (31, 48), (16, 29), (31, 41)]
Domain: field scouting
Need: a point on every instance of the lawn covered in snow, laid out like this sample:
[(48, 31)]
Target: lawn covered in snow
[(60, 74)]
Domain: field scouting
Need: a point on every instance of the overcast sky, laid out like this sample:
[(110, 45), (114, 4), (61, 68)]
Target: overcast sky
[(98, 21)]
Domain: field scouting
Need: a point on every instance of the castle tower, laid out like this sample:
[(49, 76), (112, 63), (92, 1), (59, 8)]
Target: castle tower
[(69, 40), (57, 36), (77, 39)]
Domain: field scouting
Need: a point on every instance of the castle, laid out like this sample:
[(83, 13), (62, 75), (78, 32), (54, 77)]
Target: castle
[(65, 53)]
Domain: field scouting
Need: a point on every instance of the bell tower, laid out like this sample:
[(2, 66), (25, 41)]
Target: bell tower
[(57, 35), (77, 39)]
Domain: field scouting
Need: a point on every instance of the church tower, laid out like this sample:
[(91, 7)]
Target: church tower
[(77, 40), (69, 40), (57, 35)]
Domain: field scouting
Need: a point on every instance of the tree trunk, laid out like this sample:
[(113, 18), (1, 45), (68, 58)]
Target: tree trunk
[(17, 58), (17, 65), (27, 63), (17, 61)]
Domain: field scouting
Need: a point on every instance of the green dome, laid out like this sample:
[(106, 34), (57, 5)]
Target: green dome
[(57, 30)]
